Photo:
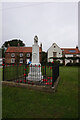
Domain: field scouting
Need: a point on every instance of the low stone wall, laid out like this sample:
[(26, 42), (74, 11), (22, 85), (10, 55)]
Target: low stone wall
[(33, 87)]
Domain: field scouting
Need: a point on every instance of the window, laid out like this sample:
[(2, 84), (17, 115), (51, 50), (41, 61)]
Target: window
[(28, 54), (54, 46), (74, 55), (72, 51), (12, 60), (21, 60), (54, 54), (13, 55), (21, 54)]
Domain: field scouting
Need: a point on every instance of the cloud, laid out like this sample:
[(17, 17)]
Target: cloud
[(53, 22)]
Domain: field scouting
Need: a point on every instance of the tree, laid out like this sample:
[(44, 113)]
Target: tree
[(44, 57), (12, 43)]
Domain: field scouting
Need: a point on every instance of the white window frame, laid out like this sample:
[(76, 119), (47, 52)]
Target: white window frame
[(12, 60), (21, 60), (12, 54), (21, 54), (54, 54), (28, 54)]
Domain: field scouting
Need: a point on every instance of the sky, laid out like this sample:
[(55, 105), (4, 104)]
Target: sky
[(52, 22)]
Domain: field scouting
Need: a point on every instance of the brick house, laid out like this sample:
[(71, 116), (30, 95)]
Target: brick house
[(56, 51), (20, 54)]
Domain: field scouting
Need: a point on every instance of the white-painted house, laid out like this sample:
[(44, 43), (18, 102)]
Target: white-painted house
[(56, 51)]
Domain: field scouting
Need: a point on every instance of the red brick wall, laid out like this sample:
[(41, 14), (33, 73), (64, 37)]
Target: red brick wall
[(8, 57)]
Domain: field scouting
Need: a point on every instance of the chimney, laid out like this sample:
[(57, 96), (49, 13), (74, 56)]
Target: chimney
[(77, 47), (8, 45), (18, 45)]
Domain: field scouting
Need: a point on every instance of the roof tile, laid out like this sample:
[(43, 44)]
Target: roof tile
[(20, 49)]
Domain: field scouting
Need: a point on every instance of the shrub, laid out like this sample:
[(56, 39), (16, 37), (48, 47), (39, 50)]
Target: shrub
[(49, 63), (73, 64), (61, 64)]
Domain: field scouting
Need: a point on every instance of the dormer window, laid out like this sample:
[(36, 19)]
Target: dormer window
[(13, 55), (21, 54), (72, 51)]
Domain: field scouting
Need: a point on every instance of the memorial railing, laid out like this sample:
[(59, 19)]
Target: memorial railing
[(19, 73)]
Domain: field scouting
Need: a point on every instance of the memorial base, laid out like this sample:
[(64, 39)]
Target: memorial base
[(35, 72)]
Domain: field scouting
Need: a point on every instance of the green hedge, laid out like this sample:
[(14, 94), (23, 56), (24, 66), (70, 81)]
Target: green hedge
[(73, 64)]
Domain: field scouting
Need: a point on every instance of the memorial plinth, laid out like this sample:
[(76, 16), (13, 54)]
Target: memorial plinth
[(35, 67)]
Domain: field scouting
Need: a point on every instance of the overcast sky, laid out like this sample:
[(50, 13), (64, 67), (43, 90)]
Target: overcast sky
[(52, 22)]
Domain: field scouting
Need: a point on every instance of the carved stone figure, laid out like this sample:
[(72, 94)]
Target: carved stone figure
[(35, 39)]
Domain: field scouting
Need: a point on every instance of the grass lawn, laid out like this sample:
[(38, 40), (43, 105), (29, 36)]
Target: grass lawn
[(13, 72), (25, 103)]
